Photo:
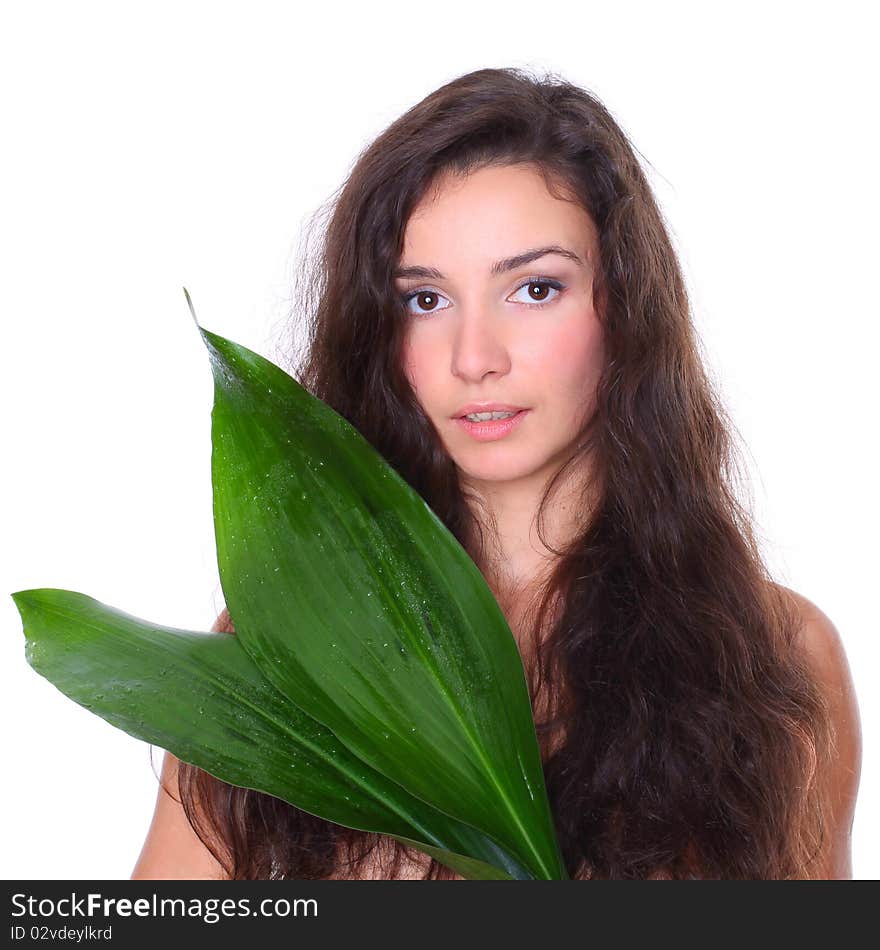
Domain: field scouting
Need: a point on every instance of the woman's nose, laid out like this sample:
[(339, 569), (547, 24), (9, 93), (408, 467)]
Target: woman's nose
[(478, 348)]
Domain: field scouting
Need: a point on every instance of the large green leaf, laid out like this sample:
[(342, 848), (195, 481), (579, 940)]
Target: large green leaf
[(200, 696), (354, 599)]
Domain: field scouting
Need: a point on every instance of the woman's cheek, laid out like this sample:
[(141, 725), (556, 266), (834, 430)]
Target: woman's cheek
[(568, 362), (561, 354), (417, 365)]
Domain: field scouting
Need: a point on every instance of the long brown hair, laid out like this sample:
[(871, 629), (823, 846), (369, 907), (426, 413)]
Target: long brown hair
[(688, 730)]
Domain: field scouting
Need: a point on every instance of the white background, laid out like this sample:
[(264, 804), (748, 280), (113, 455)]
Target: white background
[(147, 147)]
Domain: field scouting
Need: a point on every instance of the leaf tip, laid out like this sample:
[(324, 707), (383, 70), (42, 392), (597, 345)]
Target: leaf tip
[(28, 604), (23, 598), (208, 338), (192, 309)]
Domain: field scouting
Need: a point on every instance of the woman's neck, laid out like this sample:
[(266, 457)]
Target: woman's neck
[(514, 556)]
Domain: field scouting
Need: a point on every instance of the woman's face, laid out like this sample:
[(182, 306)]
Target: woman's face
[(523, 334)]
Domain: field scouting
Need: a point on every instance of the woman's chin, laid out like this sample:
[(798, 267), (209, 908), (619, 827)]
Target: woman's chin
[(497, 472)]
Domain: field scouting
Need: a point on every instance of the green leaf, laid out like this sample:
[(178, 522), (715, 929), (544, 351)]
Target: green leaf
[(200, 696), (354, 600)]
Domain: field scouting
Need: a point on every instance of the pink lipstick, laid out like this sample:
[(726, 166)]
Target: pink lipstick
[(491, 429)]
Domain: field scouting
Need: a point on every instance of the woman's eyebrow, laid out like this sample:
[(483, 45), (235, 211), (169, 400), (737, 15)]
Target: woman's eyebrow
[(499, 267)]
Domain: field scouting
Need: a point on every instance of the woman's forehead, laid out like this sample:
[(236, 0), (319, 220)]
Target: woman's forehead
[(492, 214)]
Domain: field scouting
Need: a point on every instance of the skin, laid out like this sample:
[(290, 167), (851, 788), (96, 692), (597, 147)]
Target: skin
[(484, 343), (478, 336)]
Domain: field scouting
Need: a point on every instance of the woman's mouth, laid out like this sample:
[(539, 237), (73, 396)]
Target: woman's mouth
[(490, 429)]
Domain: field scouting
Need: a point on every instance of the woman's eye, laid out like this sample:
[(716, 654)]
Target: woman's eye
[(425, 299), (544, 286)]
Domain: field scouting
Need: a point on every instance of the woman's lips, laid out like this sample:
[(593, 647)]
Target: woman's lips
[(492, 429)]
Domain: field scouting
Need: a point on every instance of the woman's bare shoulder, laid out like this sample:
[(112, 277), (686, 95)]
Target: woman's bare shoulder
[(172, 850), (824, 646)]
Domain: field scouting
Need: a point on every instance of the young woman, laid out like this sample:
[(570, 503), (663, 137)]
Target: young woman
[(498, 249)]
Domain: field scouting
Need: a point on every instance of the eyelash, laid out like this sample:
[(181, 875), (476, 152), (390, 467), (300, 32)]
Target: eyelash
[(548, 281)]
